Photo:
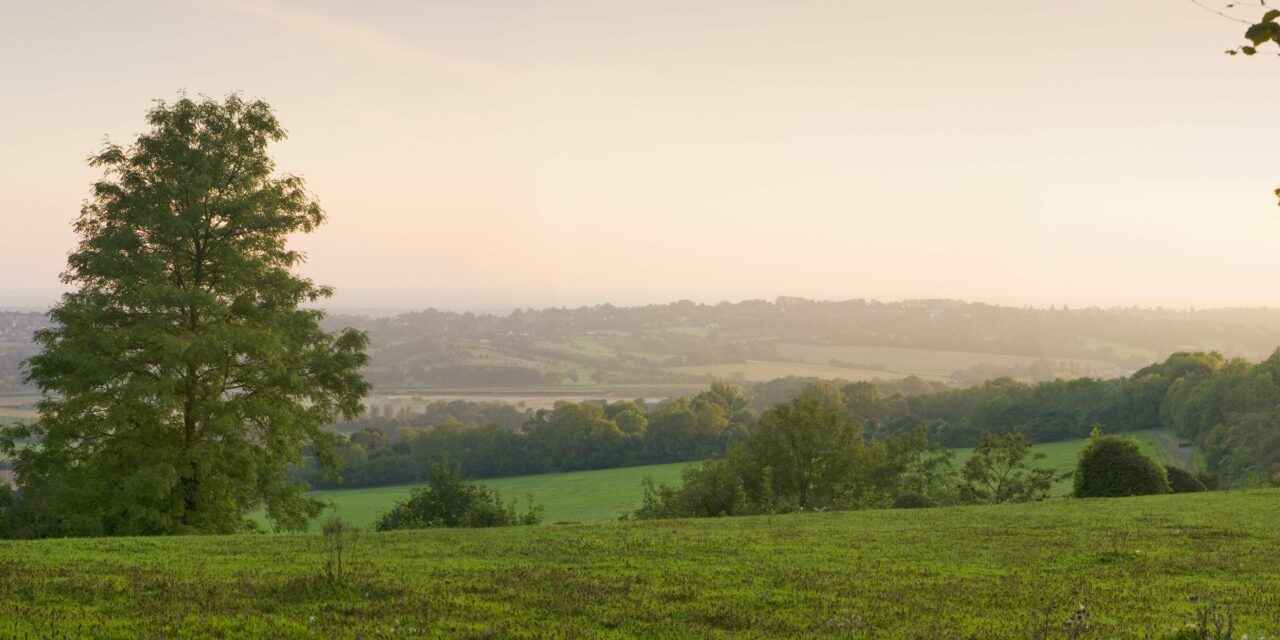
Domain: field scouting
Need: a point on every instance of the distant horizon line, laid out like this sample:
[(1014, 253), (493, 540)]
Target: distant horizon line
[(362, 302)]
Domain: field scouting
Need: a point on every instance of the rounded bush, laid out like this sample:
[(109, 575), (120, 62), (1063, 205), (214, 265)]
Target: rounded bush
[(1182, 481), (1112, 467), (912, 501)]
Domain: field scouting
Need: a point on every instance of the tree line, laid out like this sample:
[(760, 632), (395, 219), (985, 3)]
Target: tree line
[(1229, 409), (572, 436)]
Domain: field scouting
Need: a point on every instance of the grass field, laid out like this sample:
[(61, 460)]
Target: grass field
[(581, 496), (596, 496), (926, 363), (964, 572)]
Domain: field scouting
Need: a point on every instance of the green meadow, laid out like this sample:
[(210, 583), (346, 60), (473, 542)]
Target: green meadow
[(602, 495), (577, 496), (1140, 566)]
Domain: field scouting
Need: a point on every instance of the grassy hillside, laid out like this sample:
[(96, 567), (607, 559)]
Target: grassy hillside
[(970, 572), (596, 496)]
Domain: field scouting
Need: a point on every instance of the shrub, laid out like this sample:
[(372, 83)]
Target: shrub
[(708, 490), (1183, 481), (450, 501), (912, 501), (1209, 480), (1111, 466)]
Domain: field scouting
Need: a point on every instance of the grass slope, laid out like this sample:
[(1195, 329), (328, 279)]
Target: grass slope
[(594, 496), (961, 572)]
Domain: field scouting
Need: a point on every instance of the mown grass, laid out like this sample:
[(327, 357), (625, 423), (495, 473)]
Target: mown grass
[(965, 572)]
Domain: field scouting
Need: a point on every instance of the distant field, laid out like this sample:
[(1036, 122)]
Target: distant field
[(953, 573), (534, 397), (1121, 349), (579, 496), (18, 407), (596, 496), (763, 371), (921, 362)]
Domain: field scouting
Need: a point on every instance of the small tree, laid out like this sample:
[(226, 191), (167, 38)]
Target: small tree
[(1001, 470), (1111, 466)]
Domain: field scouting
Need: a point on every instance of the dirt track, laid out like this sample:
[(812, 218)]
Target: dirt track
[(1181, 456)]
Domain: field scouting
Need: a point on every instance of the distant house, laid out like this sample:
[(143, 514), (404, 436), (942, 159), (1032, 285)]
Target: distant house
[(8, 477)]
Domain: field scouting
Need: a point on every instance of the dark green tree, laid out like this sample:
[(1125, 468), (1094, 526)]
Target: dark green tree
[(181, 377), (1111, 466), (808, 447)]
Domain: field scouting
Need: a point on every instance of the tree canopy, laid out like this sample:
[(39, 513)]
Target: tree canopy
[(181, 376)]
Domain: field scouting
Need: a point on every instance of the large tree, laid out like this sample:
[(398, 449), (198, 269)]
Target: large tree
[(181, 376)]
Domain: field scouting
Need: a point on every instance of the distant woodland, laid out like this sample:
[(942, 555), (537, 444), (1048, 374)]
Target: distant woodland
[(683, 345), (1228, 408)]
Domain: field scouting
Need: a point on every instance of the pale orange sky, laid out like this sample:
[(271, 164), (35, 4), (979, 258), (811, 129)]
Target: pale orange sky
[(1082, 152)]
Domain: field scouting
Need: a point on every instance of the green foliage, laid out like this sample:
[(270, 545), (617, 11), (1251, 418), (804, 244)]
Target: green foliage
[(1001, 470), (711, 489), (181, 376), (1183, 481), (449, 501), (1112, 466), (805, 450), (1265, 30), (805, 455)]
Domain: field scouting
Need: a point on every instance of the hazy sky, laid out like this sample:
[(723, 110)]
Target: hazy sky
[(1082, 151)]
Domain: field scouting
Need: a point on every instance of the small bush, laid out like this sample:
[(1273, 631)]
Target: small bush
[(1111, 466), (1209, 480), (450, 501), (912, 501), (1183, 481), (708, 490)]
